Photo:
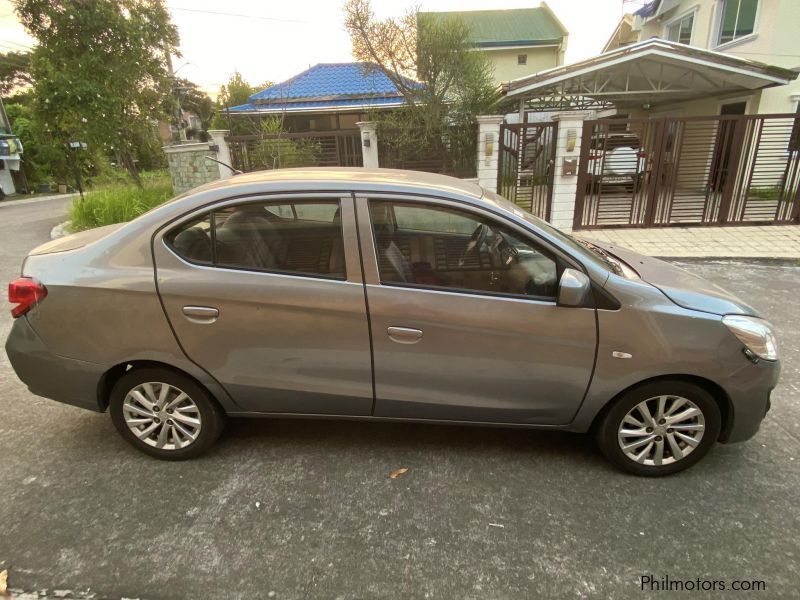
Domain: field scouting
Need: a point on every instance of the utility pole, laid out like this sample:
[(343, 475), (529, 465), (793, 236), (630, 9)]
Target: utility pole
[(177, 91), (73, 150)]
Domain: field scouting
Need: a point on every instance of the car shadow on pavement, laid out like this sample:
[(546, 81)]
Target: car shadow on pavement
[(344, 436)]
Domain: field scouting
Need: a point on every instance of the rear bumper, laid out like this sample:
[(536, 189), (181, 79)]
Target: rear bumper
[(62, 379), (749, 392)]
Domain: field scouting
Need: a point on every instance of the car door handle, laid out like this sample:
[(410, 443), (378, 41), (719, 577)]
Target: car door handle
[(404, 335), (201, 314)]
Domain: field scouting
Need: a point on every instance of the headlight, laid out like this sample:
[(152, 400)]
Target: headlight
[(755, 334)]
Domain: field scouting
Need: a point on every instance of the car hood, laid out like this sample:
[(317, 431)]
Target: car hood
[(683, 288), (76, 240)]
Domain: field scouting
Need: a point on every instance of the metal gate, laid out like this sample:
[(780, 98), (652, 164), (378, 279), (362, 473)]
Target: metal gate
[(721, 170), (525, 165), (308, 149)]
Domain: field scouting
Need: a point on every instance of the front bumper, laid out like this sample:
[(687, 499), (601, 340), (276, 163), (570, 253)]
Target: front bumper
[(749, 392), (59, 378)]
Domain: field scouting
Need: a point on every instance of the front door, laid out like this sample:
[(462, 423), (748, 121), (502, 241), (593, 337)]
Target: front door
[(267, 296), (464, 318)]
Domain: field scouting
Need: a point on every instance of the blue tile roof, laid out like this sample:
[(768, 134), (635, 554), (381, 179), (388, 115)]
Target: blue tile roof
[(340, 103), (328, 85)]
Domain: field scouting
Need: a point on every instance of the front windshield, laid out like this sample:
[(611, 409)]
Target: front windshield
[(584, 249)]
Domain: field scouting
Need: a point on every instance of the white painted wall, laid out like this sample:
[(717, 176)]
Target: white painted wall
[(774, 42), (6, 182)]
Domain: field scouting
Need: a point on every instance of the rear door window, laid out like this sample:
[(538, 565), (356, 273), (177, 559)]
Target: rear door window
[(301, 237)]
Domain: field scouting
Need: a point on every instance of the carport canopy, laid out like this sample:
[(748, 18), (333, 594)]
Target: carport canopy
[(653, 72)]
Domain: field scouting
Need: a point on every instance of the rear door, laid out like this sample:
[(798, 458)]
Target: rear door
[(464, 317), (267, 296)]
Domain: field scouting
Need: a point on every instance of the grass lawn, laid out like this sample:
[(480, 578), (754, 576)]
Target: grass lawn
[(119, 202)]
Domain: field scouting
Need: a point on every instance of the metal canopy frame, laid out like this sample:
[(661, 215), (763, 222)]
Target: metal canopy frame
[(655, 71)]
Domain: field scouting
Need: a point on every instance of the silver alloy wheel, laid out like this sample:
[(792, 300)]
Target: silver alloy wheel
[(161, 415), (661, 430)]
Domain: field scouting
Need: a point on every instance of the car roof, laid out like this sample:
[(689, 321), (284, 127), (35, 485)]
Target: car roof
[(350, 179)]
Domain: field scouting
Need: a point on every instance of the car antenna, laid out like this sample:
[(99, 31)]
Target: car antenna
[(234, 171)]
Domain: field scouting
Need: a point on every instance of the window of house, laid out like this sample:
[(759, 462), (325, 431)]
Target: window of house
[(302, 237), (348, 121), (439, 247), (737, 19), (522, 59), (681, 30)]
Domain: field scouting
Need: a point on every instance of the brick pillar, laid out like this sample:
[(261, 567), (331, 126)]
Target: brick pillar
[(189, 167), (223, 151), (488, 150), (369, 144), (568, 148)]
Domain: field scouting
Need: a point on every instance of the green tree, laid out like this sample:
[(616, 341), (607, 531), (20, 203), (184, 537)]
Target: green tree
[(15, 71), (237, 91), (445, 84), (44, 158), (100, 70), (276, 152)]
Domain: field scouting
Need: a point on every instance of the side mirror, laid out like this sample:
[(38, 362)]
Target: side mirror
[(574, 289)]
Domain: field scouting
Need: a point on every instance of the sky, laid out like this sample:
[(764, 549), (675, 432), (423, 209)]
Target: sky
[(271, 41)]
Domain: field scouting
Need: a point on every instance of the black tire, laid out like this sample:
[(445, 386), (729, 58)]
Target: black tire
[(212, 417), (608, 427)]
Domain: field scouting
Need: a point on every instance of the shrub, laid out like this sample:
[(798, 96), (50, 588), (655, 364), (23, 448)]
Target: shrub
[(117, 203)]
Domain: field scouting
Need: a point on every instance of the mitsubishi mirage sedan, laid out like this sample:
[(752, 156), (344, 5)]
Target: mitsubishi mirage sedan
[(384, 295)]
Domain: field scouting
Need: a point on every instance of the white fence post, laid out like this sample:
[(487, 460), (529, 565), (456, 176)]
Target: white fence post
[(223, 151), (568, 148), (369, 144), (488, 150)]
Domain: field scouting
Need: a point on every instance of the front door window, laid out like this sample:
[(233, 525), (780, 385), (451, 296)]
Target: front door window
[(441, 247)]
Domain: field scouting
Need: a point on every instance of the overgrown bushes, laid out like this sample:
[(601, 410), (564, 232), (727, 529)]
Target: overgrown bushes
[(119, 202)]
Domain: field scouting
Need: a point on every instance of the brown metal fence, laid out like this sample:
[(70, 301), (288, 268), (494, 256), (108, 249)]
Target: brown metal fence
[(309, 149), (525, 166), (720, 170)]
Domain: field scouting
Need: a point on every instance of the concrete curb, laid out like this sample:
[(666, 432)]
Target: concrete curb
[(60, 230), (762, 260)]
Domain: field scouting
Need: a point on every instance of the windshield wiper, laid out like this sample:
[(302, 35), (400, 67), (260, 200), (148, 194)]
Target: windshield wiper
[(607, 258)]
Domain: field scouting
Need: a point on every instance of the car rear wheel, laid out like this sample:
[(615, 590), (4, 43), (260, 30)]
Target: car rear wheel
[(165, 414), (660, 428)]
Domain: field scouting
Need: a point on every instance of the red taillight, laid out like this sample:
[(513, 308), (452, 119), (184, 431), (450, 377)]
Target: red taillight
[(25, 292)]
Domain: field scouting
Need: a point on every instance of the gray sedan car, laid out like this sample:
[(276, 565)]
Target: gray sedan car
[(384, 295)]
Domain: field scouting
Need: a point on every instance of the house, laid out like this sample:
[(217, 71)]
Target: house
[(10, 156), (518, 42), (325, 97), (756, 30)]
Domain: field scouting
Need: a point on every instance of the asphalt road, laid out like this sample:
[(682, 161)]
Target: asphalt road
[(298, 509)]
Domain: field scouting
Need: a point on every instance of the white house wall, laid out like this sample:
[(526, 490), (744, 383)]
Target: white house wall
[(774, 41)]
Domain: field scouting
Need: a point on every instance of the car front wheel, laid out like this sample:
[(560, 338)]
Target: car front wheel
[(660, 428), (165, 414)]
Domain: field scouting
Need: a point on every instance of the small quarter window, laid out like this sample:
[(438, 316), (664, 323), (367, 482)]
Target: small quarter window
[(192, 240), (522, 59)]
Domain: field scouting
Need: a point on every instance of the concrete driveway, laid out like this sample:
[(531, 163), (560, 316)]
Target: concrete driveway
[(299, 509)]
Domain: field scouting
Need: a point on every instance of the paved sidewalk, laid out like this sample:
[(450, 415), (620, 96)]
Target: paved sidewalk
[(776, 241), (22, 201)]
